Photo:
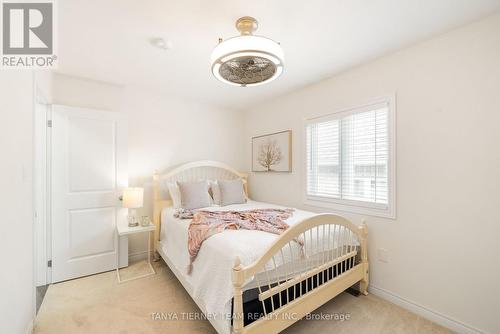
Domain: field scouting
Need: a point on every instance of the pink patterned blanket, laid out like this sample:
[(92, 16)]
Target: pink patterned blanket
[(207, 223)]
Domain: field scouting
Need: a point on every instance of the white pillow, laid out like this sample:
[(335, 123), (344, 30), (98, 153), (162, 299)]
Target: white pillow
[(244, 181), (175, 194), (214, 188)]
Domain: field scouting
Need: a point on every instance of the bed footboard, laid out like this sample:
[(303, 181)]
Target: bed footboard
[(311, 263)]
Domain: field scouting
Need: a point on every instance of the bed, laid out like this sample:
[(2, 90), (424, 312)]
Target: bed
[(247, 281)]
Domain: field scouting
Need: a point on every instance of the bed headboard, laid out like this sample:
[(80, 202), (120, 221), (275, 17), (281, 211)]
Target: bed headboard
[(190, 172)]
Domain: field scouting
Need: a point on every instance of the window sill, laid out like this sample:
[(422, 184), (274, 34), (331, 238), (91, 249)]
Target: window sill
[(358, 208)]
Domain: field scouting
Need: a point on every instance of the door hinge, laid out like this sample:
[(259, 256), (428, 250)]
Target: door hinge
[(49, 123), (49, 263)]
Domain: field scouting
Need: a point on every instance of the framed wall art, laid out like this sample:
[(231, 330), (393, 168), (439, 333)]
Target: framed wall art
[(272, 152)]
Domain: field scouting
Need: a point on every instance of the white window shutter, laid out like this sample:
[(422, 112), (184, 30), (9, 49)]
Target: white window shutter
[(348, 156)]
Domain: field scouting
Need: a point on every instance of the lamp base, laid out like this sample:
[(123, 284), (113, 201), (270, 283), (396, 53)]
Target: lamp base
[(132, 220)]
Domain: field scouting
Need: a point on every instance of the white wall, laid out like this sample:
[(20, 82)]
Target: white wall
[(443, 252), (16, 223), (163, 131)]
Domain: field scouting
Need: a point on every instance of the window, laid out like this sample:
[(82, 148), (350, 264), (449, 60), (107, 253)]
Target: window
[(350, 160)]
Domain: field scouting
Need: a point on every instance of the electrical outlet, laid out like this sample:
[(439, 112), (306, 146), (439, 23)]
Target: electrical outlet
[(383, 255)]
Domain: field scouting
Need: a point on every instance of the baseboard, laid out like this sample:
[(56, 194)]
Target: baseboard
[(29, 327), (424, 312), (134, 257)]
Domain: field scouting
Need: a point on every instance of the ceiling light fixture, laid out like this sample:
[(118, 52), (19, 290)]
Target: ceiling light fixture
[(247, 60)]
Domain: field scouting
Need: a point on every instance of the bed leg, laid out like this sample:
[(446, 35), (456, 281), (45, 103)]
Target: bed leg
[(363, 284), (238, 280), (156, 256)]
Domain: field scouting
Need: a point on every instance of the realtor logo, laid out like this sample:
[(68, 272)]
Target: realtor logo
[(28, 34)]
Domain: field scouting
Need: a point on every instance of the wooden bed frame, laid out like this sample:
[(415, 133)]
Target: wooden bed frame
[(334, 262)]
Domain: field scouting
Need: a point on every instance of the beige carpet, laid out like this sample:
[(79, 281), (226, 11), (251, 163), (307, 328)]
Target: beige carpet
[(98, 304)]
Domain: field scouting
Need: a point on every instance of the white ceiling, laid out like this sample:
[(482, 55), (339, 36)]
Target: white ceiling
[(109, 40)]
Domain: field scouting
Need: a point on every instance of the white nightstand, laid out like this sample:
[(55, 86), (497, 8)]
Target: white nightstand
[(124, 229)]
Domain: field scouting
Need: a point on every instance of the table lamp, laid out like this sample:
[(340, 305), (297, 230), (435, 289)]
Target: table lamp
[(132, 199)]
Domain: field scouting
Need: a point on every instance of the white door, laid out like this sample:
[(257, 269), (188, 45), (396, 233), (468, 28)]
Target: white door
[(88, 174), (40, 190)]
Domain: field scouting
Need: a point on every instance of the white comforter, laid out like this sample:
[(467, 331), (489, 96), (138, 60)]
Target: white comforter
[(210, 279)]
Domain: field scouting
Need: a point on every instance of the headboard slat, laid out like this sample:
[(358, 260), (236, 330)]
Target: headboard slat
[(190, 172)]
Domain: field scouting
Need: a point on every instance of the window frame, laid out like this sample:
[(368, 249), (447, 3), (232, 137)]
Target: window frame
[(360, 207)]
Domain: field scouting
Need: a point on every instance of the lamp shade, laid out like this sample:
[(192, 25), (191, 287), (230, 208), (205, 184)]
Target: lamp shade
[(133, 198)]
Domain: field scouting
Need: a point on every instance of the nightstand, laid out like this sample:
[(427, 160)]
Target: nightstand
[(124, 229)]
